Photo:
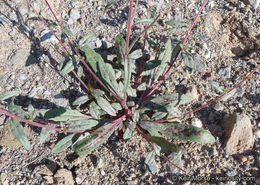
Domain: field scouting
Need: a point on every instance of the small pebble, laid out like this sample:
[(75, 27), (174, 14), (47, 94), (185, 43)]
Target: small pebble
[(196, 122), (257, 133)]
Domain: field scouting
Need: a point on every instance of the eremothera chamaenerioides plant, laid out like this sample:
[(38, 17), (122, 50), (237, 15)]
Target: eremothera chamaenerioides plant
[(114, 104)]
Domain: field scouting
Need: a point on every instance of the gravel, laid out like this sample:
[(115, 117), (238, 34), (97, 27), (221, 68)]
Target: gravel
[(225, 46)]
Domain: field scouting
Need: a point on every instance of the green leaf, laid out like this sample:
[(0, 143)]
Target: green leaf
[(228, 95), (131, 91), (63, 144), (128, 133), (95, 139), (62, 114), (86, 39), (94, 110), (19, 134), (193, 62), (68, 66), (109, 4), (127, 73), (7, 95), (44, 134), (81, 100), (105, 105), (120, 47), (93, 58), (69, 33), (80, 71), (109, 76), (168, 99), (164, 144), (152, 44), (82, 124), (136, 54), (18, 111), (216, 85), (159, 115), (16, 127), (164, 57), (141, 87), (152, 64), (178, 131), (117, 106)]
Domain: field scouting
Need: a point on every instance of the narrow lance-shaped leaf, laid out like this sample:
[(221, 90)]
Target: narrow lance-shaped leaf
[(81, 100), (93, 58), (94, 110), (106, 106), (16, 127), (44, 134), (120, 47), (152, 64), (164, 144), (68, 32), (86, 39), (69, 66), (82, 124), (164, 57), (95, 139), (127, 74), (62, 114), (168, 99), (109, 76), (178, 131), (19, 134), (63, 144), (7, 95), (136, 54), (228, 95)]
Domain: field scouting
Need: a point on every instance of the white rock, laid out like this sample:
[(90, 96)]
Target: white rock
[(74, 14), (196, 122), (205, 51)]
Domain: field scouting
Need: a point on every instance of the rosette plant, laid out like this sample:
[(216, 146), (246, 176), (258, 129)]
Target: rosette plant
[(125, 104)]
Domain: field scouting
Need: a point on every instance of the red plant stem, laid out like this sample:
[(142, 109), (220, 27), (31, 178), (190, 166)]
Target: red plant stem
[(162, 77), (81, 81), (161, 38), (212, 101), (38, 124), (52, 11), (144, 136), (134, 12), (51, 30), (186, 37), (129, 27), (142, 59), (84, 63), (158, 49), (46, 122), (114, 123), (195, 19)]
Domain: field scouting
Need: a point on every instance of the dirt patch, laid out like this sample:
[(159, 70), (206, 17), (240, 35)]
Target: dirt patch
[(234, 34)]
